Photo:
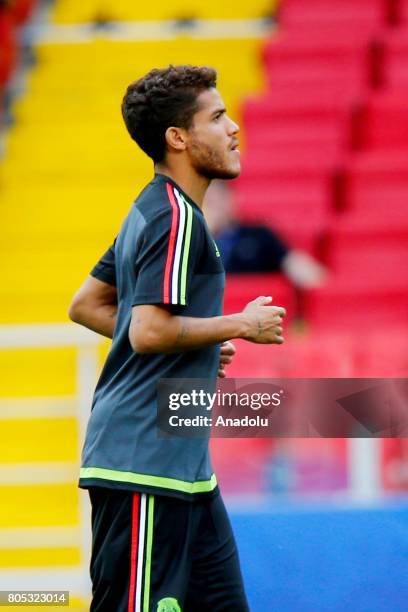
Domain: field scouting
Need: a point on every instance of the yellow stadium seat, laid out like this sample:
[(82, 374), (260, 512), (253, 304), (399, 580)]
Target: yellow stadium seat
[(72, 11)]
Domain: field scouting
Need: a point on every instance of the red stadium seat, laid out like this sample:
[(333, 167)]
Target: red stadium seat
[(353, 305), (378, 180), (394, 67), (22, 10), (368, 228), (364, 13), (256, 361), (305, 123), (243, 288), (301, 137), (8, 46), (349, 352), (279, 166), (403, 6), (385, 119), (284, 159), (297, 169), (273, 186), (282, 103), (382, 357), (298, 209), (316, 356), (316, 58), (371, 266)]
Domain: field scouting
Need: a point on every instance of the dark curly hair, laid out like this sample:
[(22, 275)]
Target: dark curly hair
[(163, 98)]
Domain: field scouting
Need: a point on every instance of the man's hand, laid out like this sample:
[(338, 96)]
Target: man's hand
[(265, 321), (227, 352)]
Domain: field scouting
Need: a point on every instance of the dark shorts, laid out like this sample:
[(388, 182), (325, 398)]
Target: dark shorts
[(152, 553)]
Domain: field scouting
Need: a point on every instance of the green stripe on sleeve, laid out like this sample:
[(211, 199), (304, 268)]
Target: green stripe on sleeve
[(200, 486), (186, 252), (149, 545)]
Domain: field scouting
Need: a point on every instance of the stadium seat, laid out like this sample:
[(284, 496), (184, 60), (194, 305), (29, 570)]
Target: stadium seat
[(72, 11), (281, 104), (243, 288), (384, 119), (387, 266), (353, 305), (349, 352), (313, 123), (394, 58), (368, 228), (8, 46), (378, 180), (314, 58), (403, 6), (281, 167), (381, 357), (298, 210), (364, 13), (317, 356), (300, 137), (22, 10), (273, 188)]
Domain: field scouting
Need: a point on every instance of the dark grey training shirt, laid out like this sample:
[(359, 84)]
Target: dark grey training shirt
[(163, 254)]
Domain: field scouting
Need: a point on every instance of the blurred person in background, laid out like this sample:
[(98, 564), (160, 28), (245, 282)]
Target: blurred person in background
[(248, 248), (162, 539)]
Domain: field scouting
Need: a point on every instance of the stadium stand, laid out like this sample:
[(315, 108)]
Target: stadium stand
[(326, 161), (383, 122), (71, 11), (364, 14), (394, 57), (318, 57)]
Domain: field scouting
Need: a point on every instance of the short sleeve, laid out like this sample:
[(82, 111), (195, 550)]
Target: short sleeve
[(168, 255), (105, 268)]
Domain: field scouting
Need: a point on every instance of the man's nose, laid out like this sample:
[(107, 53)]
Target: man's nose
[(233, 127)]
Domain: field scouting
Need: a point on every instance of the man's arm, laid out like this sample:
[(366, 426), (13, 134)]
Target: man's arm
[(95, 306), (154, 329)]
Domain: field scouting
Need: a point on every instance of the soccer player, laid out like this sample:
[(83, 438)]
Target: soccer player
[(162, 540)]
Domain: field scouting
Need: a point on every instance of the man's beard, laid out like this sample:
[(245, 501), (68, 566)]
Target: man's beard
[(209, 163)]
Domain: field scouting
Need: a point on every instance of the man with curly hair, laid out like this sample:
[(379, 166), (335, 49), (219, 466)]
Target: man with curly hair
[(162, 540)]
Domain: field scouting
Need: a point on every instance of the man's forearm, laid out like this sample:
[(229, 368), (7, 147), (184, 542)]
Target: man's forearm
[(177, 333), (95, 306), (101, 320), (190, 332), (155, 329)]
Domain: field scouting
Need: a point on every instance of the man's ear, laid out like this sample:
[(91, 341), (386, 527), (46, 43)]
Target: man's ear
[(176, 138)]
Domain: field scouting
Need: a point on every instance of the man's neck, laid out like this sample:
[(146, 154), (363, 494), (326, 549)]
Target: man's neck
[(192, 183)]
